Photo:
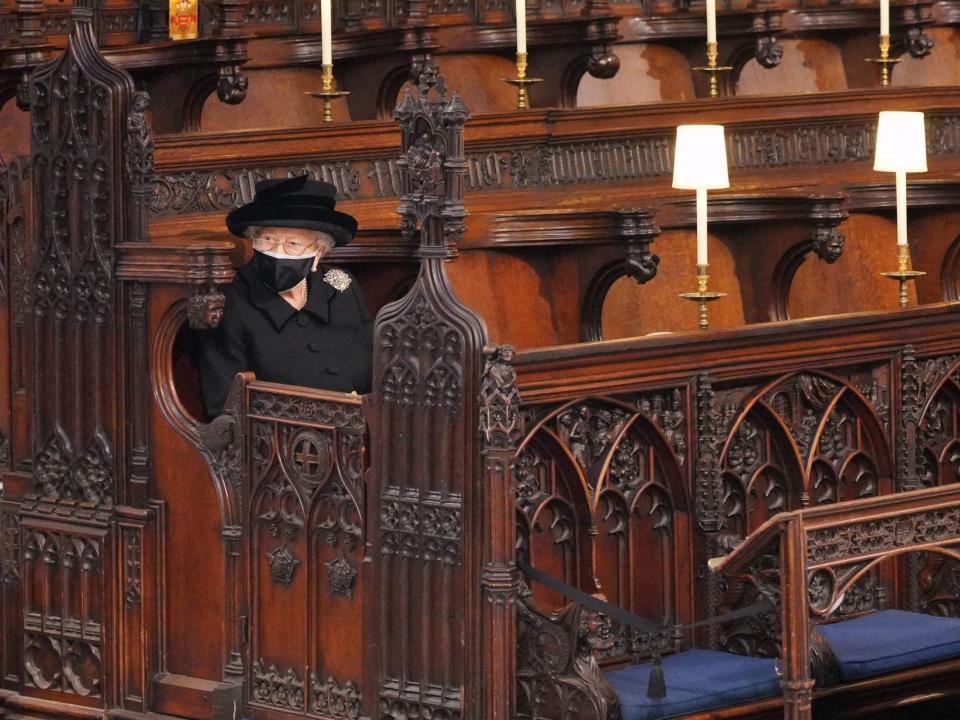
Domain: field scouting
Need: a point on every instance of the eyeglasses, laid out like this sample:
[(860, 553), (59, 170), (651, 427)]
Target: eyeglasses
[(290, 247)]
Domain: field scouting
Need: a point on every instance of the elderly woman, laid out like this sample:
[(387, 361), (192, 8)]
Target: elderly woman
[(288, 318)]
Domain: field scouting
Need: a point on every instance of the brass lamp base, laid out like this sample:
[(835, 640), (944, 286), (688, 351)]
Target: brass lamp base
[(521, 81), (702, 296), (885, 61), (327, 93), (713, 70)]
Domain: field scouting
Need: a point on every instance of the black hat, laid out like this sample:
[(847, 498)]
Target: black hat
[(296, 202)]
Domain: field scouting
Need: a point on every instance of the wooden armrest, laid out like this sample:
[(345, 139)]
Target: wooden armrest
[(755, 543)]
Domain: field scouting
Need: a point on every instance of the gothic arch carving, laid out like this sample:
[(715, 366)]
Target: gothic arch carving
[(599, 477), (826, 430), (938, 430)]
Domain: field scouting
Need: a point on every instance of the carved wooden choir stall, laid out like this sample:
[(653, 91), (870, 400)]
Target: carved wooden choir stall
[(769, 509)]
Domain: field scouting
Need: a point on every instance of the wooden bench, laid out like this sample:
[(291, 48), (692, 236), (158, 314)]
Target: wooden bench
[(642, 459)]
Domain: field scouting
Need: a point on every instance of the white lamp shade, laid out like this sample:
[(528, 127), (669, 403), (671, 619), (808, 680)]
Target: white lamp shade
[(700, 160), (901, 142)]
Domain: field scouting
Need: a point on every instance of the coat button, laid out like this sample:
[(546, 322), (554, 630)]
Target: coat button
[(301, 319), (315, 346), (332, 367)]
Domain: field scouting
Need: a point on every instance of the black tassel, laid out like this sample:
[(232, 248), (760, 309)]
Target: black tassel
[(656, 685)]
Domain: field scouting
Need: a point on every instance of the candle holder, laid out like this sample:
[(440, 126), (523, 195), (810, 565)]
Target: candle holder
[(327, 93), (712, 70), (903, 275), (521, 81), (702, 296), (885, 61)]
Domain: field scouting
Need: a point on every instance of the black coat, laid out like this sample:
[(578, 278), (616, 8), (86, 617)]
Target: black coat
[(326, 345)]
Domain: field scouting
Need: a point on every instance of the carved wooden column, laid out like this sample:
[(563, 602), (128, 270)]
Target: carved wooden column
[(500, 431), (425, 492), (796, 682), (908, 456), (87, 533), (708, 494)]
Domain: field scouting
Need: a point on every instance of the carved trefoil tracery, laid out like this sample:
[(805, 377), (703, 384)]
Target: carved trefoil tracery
[(63, 634), (599, 477)]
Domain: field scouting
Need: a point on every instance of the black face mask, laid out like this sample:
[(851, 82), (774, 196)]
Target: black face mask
[(281, 274)]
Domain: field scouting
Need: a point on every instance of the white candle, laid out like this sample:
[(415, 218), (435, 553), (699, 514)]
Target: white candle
[(712, 21), (701, 226), (884, 17), (521, 26), (326, 33), (901, 207)]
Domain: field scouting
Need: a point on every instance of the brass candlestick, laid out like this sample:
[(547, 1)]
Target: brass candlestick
[(327, 93), (712, 70), (521, 81), (885, 61), (903, 275), (702, 296)]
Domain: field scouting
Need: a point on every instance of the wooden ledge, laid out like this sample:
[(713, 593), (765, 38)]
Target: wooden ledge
[(775, 205), (612, 366), (921, 193)]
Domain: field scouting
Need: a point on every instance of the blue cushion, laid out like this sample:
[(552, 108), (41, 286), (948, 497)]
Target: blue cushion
[(891, 640), (696, 680)]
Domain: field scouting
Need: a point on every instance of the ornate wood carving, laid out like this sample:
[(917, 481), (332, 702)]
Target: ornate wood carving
[(500, 429), (305, 466), (17, 182), (708, 487), (930, 430), (77, 133), (545, 162), (138, 150), (557, 672), (133, 567), (824, 551), (426, 363), (9, 548), (835, 449), (826, 242), (90, 160), (63, 651), (908, 447), (597, 482), (639, 231), (332, 699), (273, 688), (205, 309)]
